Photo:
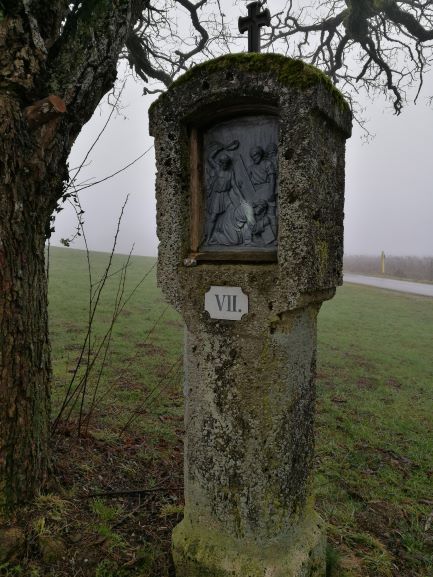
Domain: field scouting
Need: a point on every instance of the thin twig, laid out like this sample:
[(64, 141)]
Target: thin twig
[(79, 189), (123, 492)]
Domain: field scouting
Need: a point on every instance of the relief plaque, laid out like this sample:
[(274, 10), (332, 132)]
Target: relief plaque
[(239, 185)]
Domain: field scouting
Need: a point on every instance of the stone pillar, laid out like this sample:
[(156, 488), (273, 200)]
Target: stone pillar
[(250, 193)]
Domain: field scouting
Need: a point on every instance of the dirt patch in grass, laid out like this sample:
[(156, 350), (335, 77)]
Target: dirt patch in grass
[(380, 518), (381, 456), (366, 383), (73, 347), (388, 523), (358, 360), (151, 349), (173, 323), (349, 564), (128, 383), (393, 383), (109, 510)]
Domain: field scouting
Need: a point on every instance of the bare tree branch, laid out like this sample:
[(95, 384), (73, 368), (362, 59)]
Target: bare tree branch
[(390, 39)]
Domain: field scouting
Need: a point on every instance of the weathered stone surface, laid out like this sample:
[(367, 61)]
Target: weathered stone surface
[(249, 383), (205, 552)]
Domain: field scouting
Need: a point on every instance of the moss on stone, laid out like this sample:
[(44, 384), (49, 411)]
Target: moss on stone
[(206, 552), (290, 72), (323, 253)]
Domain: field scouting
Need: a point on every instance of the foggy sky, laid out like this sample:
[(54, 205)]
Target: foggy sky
[(389, 190)]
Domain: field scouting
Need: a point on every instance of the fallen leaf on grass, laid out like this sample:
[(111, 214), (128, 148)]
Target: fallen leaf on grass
[(338, 400), (428, 522)]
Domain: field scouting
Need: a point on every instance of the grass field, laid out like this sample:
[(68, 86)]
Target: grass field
[(117, 488)]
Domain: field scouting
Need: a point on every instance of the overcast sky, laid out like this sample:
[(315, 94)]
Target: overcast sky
[(389, 184)]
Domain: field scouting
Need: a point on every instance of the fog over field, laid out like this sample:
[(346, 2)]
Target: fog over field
[(389, 189)]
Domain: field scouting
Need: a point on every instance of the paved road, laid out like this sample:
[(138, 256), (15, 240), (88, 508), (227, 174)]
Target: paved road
[(417, 288)]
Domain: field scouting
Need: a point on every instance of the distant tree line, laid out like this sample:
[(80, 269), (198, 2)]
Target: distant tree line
[(408, 267)]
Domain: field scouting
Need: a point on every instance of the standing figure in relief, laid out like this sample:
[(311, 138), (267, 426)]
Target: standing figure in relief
[(263, 176), (230, 218)]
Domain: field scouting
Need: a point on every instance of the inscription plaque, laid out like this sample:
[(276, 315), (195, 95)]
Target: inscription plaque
[(241, 185), (226, 302)]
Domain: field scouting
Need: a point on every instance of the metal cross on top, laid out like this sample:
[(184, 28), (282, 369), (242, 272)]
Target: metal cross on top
[(253, 22)]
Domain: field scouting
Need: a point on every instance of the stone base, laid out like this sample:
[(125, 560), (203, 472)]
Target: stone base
[(204, 552)]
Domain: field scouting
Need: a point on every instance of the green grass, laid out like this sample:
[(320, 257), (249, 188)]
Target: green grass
[(375, 429), (145, 342), (374, 441)]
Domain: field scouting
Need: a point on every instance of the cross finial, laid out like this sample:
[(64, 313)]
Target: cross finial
[(253, 22)]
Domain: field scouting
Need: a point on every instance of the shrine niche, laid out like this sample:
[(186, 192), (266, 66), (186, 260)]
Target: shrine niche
[(235, 192)]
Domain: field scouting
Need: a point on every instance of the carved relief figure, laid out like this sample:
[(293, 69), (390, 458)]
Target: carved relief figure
[(263, 231), (263, 175), (229, 217), (241, 196)]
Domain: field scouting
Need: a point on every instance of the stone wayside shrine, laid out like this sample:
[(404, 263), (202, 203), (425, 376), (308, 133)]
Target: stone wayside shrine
[(250, 192)]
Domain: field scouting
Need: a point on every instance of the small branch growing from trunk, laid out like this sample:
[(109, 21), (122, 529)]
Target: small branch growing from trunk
[(44, 110)]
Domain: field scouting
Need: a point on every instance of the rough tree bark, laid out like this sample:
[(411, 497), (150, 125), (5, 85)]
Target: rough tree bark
[(56, 63)]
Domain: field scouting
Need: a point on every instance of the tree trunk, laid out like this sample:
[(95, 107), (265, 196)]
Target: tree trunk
[(57, 60), (24, 346), (25, 358)]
